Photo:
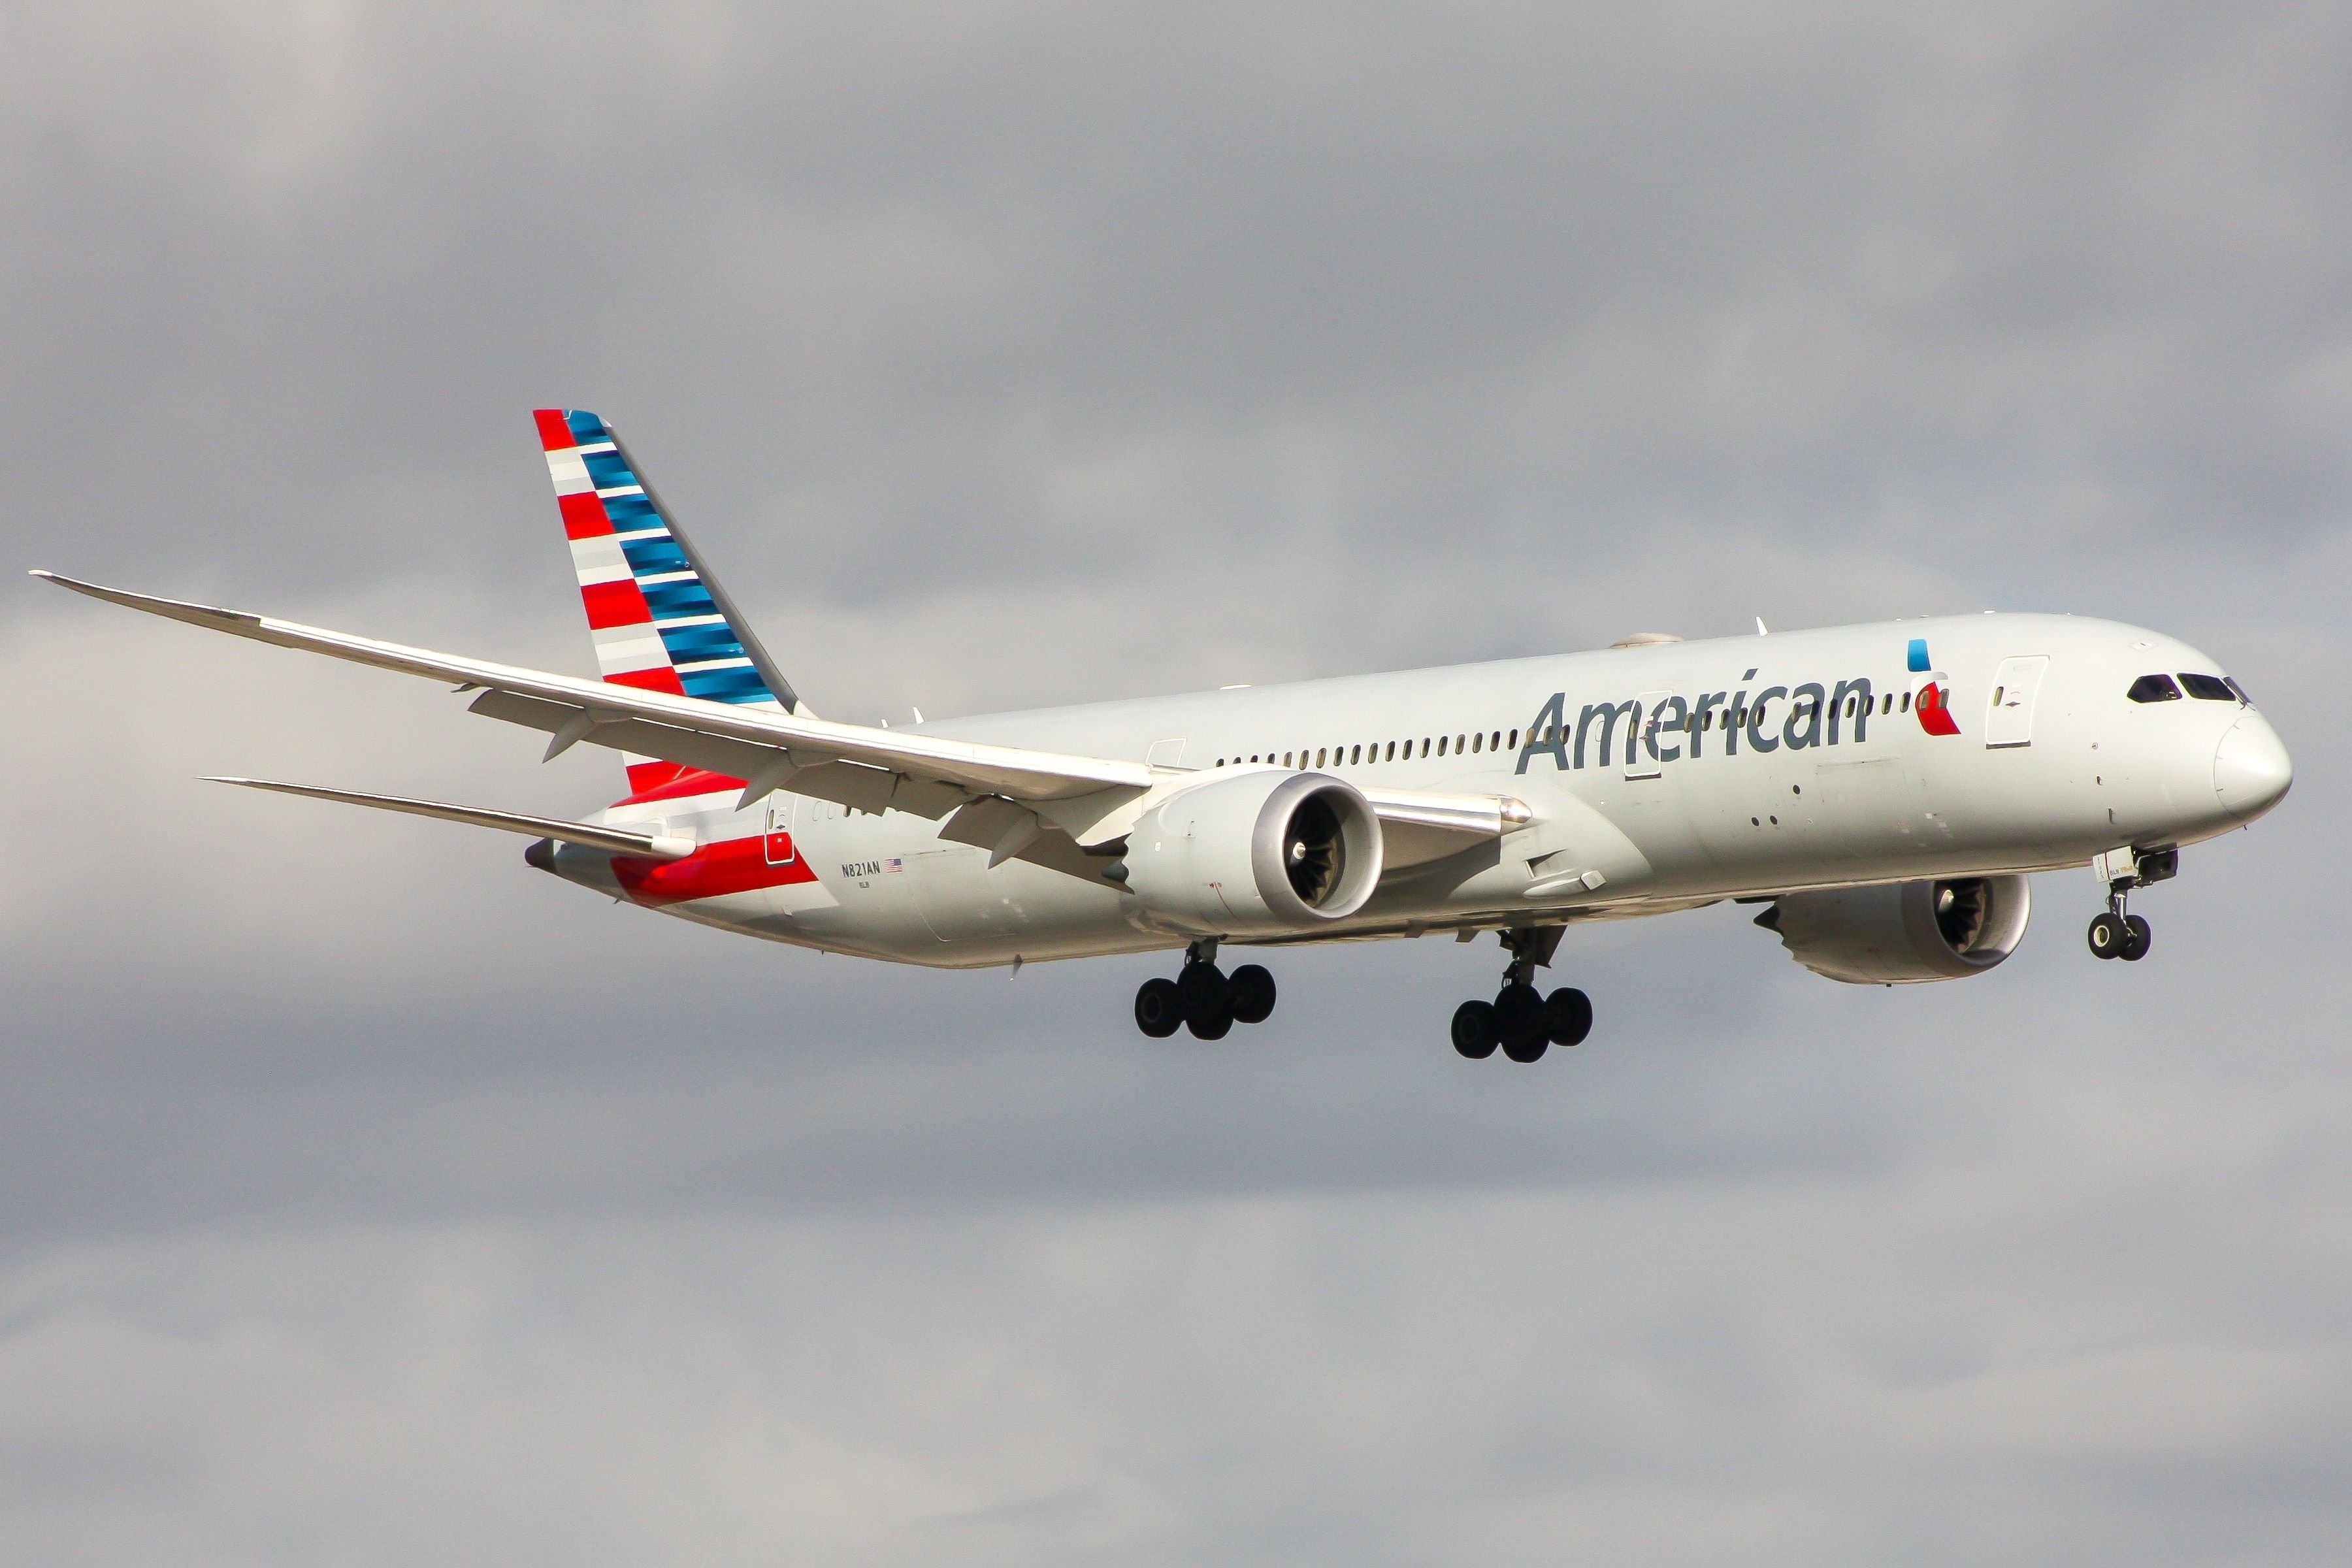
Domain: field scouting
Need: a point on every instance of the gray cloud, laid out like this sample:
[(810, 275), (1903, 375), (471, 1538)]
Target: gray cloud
[(364, 1197)]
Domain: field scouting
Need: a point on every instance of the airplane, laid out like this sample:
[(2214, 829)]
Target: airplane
[(1883, 790)]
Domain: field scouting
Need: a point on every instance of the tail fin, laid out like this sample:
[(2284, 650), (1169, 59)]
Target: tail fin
[(660, 620)]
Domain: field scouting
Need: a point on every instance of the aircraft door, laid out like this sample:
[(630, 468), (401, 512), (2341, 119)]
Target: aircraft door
[(779, 836), (2009, 707)]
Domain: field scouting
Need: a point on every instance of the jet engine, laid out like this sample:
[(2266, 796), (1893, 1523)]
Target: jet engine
[(1902, 933), (1258, 852)]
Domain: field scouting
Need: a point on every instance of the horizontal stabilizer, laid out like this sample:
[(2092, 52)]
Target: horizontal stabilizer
[(611, 840)]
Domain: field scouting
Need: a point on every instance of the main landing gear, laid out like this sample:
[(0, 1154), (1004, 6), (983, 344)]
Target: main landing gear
[(1521, 1019), (2119, 933), (1204, 998)]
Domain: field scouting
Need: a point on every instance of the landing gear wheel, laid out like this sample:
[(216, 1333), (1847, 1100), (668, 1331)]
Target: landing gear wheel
[(1250, 990), (1568, 1012), (1200, 988), (1157, 1013), (1213, 1028), (2137, 939), (2109, 935), (1519, 1019), (1474, 1030)]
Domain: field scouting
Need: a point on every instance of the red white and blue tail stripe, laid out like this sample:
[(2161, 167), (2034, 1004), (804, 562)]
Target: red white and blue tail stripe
[(660, 621)]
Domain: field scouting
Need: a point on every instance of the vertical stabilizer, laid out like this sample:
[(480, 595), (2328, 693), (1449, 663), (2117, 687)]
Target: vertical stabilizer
[(660, 620)]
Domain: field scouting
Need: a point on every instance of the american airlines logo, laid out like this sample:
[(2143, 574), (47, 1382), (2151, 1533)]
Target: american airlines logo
[(1674, 726), (1934, 703)]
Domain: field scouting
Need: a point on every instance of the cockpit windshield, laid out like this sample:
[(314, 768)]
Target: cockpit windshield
[(2154, 688), (2208, 688)]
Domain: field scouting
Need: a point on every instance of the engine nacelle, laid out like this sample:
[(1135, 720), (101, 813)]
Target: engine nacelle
[(1903, 933), (1255, 853)]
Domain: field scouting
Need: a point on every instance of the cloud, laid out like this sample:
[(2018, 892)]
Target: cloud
[(364, 1195)]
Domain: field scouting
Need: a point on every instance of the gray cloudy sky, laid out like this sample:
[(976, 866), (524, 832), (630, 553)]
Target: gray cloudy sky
[(367, 1199)]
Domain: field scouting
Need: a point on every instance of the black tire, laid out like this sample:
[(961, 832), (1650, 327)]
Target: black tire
[(1251, 990), (1157, 1011), (2136, 938), (1520, 1020), (1200, 988), (2108, 934), (1527, 1050), (1214, 1027), (1474, 1030), (1569, 1012)]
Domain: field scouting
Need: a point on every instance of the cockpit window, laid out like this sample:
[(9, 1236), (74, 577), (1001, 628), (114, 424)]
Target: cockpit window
[(2209, 687), (2240, 690), (2154, 688)]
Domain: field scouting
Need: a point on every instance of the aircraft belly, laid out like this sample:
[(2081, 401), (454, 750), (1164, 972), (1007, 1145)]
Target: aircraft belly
[(898, 893), (960, 898)]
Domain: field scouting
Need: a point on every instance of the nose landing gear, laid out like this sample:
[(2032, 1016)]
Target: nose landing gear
[(1521, 1019), (2116, 934), (1204, 998), (2119, 933)]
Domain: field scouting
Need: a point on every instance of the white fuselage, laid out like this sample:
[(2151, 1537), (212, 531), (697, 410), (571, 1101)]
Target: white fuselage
[(2052, 764)]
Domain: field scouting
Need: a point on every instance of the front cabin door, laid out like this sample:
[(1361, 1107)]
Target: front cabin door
[(2008, 707)]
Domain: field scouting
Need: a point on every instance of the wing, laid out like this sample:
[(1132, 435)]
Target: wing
[(1004, 797), (761, 746)]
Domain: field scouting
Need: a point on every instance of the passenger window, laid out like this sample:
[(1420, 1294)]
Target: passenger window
[(1356, 753), (1477, 742), (2154, 688), (2209, 687), (1392, 757), (1906, 702)]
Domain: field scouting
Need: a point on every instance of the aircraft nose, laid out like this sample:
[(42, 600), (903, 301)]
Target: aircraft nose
[(2250, 768)]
